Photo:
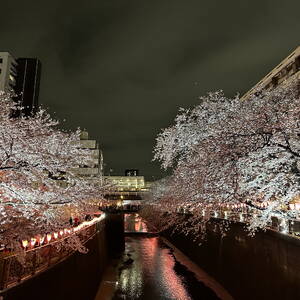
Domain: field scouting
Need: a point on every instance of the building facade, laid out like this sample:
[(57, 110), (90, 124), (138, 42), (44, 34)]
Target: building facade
[(8, 72), (28, 84), (126, 183), (22, 78), (95, 168), (288, 68), (126, 188)]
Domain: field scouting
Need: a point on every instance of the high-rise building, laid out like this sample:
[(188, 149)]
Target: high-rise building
[(22, 77), (28, 84), (8, 72)]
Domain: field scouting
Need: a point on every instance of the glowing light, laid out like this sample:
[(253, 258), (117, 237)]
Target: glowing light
[(32, 242), (49, 236), (225, 214), (241, 217), (42, 239), (292, 206), (283, 226), (24, 243)]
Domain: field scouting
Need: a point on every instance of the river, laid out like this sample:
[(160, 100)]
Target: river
[(152, 269)]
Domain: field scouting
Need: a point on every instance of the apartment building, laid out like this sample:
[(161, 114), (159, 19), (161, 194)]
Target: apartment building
[(8, 72), (28, 84), (22, 77), (288, 68), (95, 167)]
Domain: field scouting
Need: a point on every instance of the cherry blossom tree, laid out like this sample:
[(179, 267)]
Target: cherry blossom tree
[(226, 152), (38, 180)]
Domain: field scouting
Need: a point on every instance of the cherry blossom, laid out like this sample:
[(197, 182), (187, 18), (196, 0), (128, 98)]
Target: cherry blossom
[(225, 152), (39, 186)]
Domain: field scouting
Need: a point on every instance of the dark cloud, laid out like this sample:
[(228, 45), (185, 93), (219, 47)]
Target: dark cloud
[(121, 69)]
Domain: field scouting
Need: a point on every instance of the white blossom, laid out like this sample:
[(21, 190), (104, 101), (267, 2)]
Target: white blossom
[(37, 184), (227, 151)]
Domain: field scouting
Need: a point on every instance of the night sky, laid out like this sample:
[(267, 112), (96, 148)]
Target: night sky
[(122, 68)]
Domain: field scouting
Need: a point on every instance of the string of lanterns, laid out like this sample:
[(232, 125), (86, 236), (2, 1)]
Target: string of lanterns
[(41, 240)]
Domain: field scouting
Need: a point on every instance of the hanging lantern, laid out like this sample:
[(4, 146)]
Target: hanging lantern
[(49, 236), (32, 242), (24, 243), (42, 239)]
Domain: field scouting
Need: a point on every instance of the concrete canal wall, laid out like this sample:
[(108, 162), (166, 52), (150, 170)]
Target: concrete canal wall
[(78, 276), (266, 266)]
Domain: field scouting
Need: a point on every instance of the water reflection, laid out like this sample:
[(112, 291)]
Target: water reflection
[(149, 270), (134, 223)]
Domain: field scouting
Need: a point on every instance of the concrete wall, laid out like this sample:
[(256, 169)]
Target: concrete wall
[(266, 266), (114, 223), (75, 278)]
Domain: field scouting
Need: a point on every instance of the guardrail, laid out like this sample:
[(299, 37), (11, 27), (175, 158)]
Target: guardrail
[(15, 269)]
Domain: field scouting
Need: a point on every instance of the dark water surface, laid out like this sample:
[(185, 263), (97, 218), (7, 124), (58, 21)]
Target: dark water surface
[(150, 270)]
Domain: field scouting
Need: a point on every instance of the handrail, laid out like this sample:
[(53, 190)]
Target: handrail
[(42, 257)]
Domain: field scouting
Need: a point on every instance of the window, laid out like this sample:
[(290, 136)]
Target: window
[(1, 60), (0, 71)]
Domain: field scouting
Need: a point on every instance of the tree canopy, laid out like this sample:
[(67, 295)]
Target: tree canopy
[(38, 183), (225, 151)]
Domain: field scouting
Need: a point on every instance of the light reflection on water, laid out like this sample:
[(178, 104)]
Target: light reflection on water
[(134, 223), (151, 275), (150, 271)]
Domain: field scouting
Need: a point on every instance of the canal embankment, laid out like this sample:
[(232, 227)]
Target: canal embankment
[(264, 266), (78, 275)]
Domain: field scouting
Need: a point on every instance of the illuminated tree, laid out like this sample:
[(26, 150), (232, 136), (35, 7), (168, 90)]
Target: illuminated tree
[(236, 153), (38, 180)]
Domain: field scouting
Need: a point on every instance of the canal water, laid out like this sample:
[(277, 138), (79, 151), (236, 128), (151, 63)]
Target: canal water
[(152, 269)]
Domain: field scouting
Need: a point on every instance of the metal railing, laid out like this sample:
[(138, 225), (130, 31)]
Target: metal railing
[(16, 268)]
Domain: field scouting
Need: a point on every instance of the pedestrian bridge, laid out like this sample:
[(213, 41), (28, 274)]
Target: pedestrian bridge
[(121, 208)]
